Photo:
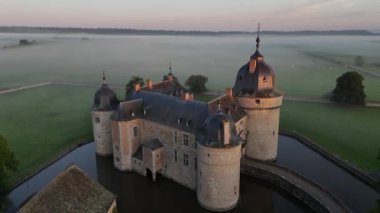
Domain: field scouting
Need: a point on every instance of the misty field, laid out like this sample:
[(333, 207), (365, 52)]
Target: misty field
[(300, 69), (43, 122), (352, 133)]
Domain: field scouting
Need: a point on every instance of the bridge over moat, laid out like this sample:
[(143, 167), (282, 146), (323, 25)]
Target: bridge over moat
[(310, 193)]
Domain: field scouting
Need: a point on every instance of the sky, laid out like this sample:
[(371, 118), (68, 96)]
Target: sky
[(215, 15)]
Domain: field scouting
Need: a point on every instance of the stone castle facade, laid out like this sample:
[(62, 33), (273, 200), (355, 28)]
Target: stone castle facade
[(160, 129)]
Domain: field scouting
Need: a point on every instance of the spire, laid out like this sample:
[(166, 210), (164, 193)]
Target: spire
[(258, 36), (104, 77), (170, 68)]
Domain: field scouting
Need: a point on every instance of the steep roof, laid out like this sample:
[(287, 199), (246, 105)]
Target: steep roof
[(172, 111), (228, 105), (71, 191), (105, 99), (166, 87), (153, 144), (165, 109)]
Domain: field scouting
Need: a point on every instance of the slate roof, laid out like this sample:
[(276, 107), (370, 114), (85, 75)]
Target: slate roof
[(247, 83), (153, 144), (228, 105), (138, 154), (166, 87), (165, 109), (129, 110), (70, 191), (214, 131), (105, 99)]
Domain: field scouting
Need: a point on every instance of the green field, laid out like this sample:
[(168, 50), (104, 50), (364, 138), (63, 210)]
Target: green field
[(352, 133), (41, 123)]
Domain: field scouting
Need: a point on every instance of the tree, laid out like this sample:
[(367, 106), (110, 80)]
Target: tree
[(134, 80), (197, 83), (359, 61), (8, 163), (349, 89)]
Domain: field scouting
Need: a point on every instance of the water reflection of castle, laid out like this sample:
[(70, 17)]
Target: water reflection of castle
[(159, 128)]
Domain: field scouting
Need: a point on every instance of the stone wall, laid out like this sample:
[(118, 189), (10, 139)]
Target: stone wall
[(311, 194), (172, 167), (101, 125), (218, 177), (262, 124)]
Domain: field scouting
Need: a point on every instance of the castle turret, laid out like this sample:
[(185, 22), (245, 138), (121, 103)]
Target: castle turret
[(256, 93), (105, 104), (218, 172)]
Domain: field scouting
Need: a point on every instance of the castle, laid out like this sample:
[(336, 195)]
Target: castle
[(160, 129)]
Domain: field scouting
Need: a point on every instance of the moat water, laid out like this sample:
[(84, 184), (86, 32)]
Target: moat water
[(139, 194)]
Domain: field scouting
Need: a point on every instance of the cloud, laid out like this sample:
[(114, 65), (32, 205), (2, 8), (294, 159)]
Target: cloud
[(323, 5)]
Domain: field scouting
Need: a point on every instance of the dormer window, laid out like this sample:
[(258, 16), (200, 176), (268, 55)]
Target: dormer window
[(136, 131), (180, 120)]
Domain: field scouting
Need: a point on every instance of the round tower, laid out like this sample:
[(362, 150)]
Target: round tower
[(105, 104), (218, 175), (257, 95)]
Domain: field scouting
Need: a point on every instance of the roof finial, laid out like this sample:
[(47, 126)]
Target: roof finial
[(258, 36), (104, 77), (170, 67)]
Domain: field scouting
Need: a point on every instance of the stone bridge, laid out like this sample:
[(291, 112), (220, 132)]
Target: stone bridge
[(310, 193)]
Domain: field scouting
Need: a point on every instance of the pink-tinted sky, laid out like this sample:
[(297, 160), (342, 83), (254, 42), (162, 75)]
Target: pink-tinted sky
[(194, 14)]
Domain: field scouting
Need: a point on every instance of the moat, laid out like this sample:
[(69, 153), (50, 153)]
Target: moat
[(140, 194)]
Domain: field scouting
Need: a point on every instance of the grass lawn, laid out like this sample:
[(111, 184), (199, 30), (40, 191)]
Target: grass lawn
[(352, 133), (41, 123)]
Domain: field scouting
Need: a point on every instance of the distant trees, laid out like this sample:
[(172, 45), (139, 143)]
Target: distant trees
[(359, 61), (8, 163), (349, 89), (197, 83), (134, 80)]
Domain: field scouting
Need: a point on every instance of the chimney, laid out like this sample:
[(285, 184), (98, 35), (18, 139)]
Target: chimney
[(137, 87), (186, 96), (226, 132), (149, 83), (228, 92)]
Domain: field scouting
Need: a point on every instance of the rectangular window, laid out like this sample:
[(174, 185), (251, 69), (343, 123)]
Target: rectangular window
[(185, 159), (257, 101), (195, 163), (97, 119), (117, 148), (195, 145), (117, 159), (185, 139), (175, 155), (135, 131)]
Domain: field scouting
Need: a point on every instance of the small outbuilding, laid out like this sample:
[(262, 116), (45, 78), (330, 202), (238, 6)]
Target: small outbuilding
[(71, 191)]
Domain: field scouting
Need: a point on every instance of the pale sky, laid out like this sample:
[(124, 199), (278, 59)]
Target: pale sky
[(194, 14)]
